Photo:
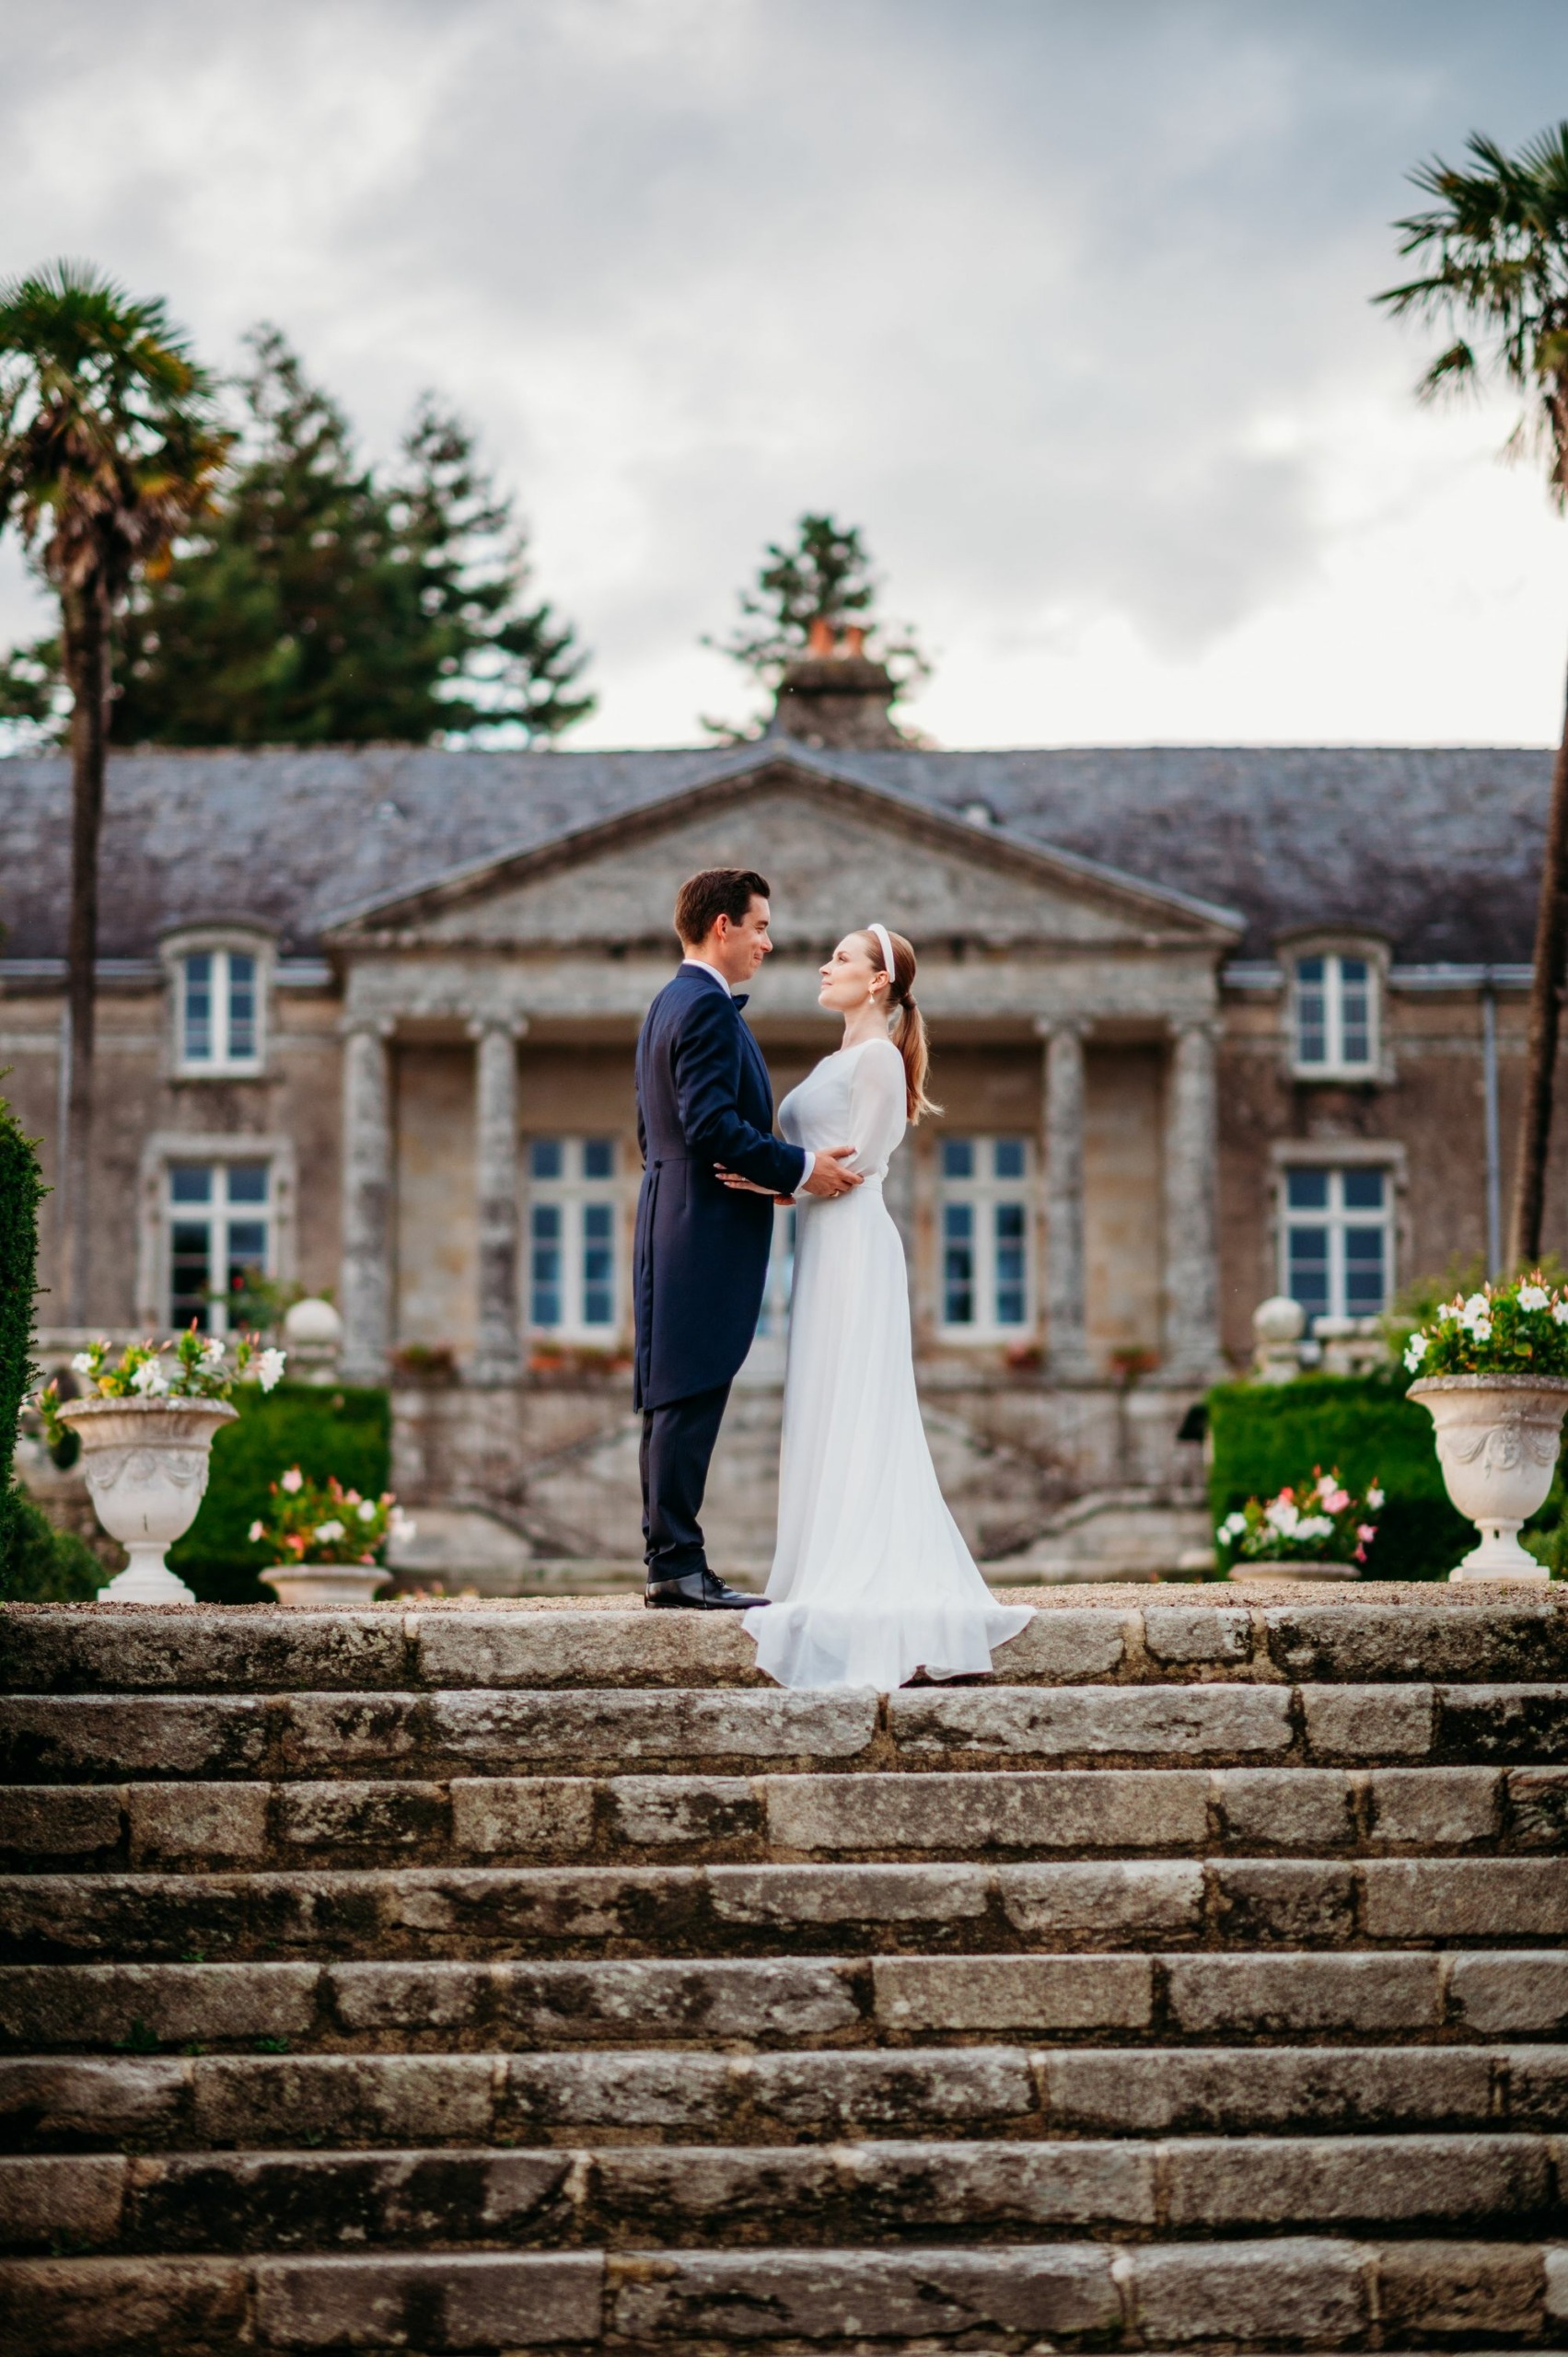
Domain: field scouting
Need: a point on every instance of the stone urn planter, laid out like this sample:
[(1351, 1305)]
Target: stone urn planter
[(145, 1464), (1497, 1440), (325, 1583), (1286, 1568)]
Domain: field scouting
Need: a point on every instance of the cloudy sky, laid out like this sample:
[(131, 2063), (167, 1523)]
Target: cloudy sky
[(1064, 301)]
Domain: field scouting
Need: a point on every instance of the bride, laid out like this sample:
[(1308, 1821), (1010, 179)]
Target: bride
[(871, 1578)]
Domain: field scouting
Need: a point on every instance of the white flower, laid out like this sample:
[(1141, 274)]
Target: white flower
[(1415, 1351), (1482, 1329), (328, 1530), (1314, 1525), (211, 1350), (368, 1510), (1231, 1527), (256, 1530), (1477, 1306), (402, 1525), (81, 1364), (1560, 1312), (1446, 1310), (1282, 1516), (269, 1367), (292, 1481), (1375, 1497), (150, 1380), (1533, 1297)]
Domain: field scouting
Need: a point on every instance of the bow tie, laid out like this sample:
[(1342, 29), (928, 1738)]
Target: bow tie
[(739, 999)]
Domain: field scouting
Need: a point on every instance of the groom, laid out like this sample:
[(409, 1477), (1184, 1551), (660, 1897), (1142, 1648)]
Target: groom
[(704, 1099)]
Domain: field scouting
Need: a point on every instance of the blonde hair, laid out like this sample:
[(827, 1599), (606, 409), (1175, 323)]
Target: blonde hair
[(908, 1033)]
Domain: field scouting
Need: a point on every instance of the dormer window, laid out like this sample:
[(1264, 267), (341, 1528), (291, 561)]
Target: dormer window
[(1336, 1027), (218, 1004)]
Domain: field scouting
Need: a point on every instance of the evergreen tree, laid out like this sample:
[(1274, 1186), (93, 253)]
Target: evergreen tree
[(321, 604), (824, 575)]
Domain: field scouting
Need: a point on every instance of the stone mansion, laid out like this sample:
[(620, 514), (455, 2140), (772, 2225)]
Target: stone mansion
[(1209, 1024)]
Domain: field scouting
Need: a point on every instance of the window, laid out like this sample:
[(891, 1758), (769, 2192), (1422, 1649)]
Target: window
[(1338, 1241), (220, 1010), (573, 1210), (1336, 1013), (220, 1239), (985, 1230)]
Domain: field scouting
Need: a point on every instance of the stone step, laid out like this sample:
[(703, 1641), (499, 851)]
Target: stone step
[(1296, 2291), (729, 1910), (1430, 1633), (757, 2004), (79, 1738), (716, 2195), (631, 1819), (249, 2102)]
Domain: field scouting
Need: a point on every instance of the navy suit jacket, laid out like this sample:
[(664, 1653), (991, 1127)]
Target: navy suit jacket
[(701, 1257)]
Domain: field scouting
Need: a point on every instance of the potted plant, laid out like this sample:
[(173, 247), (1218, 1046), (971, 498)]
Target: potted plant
[(147, 1434), (328, 1543), (1494, 1377), (1320, 1530)]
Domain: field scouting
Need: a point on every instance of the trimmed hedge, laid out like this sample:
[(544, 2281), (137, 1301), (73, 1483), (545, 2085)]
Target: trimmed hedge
[(21, 1191), (1268, 1434), (323, 1432), (43, 1565)]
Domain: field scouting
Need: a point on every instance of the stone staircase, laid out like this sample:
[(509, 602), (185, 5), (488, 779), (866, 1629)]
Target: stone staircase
[(516, 1979)]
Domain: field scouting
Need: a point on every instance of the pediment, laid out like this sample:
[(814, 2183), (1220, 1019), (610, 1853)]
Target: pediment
[(836, 852)]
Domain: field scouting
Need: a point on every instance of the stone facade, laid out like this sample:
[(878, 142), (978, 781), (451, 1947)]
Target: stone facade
[(445, 992)]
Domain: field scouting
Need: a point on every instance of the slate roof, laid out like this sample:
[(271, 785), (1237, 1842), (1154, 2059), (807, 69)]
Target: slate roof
[(1438, 847)]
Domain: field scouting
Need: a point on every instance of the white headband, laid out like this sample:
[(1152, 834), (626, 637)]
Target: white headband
[(885, 943)]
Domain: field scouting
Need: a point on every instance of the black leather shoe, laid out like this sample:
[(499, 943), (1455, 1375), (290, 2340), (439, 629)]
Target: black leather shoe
[(700, 1590)]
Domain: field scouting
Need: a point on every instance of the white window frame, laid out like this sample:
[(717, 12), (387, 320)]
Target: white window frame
[(573, 1195), (221, 945), (217, 1214), (1334, 1064), (984, 1194), (1337, 1219)]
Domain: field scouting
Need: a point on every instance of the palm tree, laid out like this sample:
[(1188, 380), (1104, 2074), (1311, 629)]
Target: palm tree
[(1496, 245), (109, 445)]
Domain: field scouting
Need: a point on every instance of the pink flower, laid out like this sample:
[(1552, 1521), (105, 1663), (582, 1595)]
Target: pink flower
[(1366, 1532), (1336, 1501), (292, 1481)]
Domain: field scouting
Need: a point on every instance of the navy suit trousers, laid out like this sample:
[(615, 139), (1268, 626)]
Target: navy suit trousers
[(678, 1445)]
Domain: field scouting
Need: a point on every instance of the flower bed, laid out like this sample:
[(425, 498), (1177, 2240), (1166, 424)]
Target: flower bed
[(1316, 1522), (317, 1521), (1519, 1329)]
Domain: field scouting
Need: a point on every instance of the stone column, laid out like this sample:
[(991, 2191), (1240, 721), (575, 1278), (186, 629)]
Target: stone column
[(1067, 1349), (1192, 1180), (497, 1354), (367, 1203)]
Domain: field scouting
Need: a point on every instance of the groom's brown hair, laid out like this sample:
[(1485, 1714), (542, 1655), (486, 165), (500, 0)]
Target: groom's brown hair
[(716, 893)]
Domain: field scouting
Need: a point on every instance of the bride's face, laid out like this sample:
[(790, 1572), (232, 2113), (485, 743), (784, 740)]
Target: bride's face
[(850, 978)]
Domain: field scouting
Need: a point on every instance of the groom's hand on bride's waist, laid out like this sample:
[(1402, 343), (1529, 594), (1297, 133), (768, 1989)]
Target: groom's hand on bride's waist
[(828, 1176)]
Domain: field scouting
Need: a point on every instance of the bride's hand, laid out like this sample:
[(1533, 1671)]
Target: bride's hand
[(745, 1186)]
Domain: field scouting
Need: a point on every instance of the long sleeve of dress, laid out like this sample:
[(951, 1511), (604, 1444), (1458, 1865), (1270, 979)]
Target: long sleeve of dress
[(875, 1107)]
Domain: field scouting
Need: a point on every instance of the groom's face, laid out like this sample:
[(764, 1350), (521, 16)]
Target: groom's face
[(740, 949)]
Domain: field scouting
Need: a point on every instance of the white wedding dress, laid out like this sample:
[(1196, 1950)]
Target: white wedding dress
[(871, 1579)]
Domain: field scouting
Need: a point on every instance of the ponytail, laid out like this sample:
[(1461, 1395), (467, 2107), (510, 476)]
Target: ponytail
[(907, 1029)]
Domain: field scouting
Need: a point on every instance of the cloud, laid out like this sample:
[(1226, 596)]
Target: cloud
[(1065, 303)]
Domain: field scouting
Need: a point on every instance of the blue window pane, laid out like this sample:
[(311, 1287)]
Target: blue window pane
[(1309, 1253), (1365, 1288), (198, 1016), (247, 1182), (544, 1264), (1009, 1157), (247, 1242), (1010, 1264), (957, 1157), (544, 1158), (1311, 1012), (1309, 972), (599, 1265), (957, 1265), (1364, 1190), (599, 1157), (241, 1006), (1307, 1191), (1352, 972), (190, 1182), (1355, 1011)]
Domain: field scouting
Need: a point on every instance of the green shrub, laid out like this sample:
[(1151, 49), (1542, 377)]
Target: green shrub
[(21, 1191), (1363, 1427), (43, 1565), (322, 1431)]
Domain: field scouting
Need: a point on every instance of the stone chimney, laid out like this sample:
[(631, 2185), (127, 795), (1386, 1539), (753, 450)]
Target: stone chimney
[(836, 694)]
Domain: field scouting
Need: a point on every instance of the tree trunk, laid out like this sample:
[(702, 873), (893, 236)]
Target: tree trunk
[(1546, 1003), (87, 650)]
